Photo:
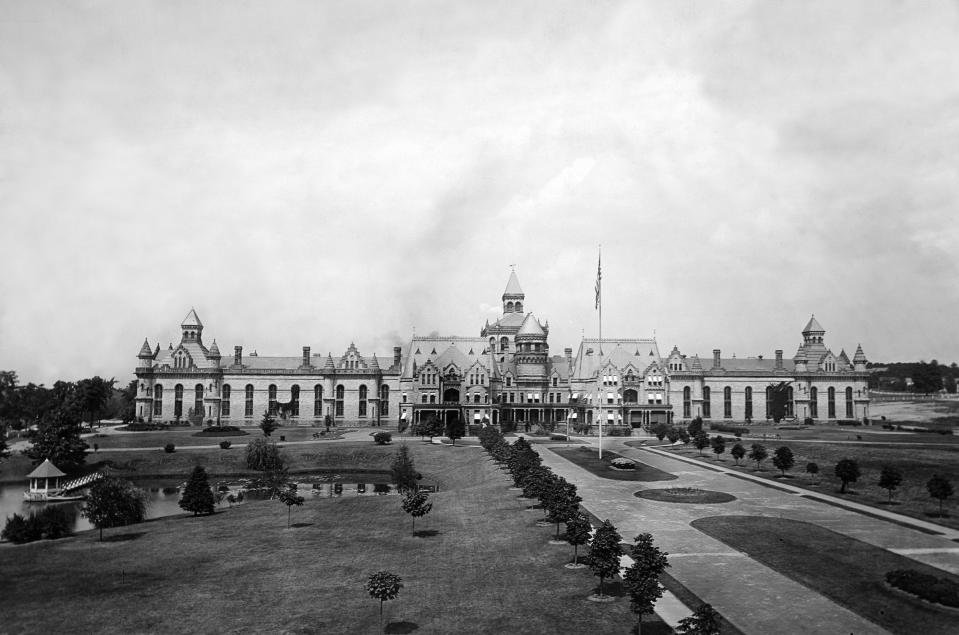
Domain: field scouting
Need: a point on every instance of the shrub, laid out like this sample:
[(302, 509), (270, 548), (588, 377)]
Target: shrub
[(382, 438), (928, 587), (55, 522), (848, 422), (808, 421), (618, 432), (262, 455), (18, 531), (722, 427), (623, 463), (169, 448), (225, 445)]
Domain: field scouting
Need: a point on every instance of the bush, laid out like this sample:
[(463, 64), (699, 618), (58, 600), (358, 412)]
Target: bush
[(225, 445), (849, 422), (50, 522), (622, 463), (382, 438), (619, 432), (722, 427), (808, 421), (169, 448), (221, 431), (928, 587), (18, 531)]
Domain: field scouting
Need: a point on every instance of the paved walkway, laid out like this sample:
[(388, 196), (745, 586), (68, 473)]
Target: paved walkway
[(752, 596)]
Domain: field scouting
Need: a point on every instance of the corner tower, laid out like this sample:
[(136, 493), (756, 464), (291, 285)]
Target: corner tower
[(513, 297), (192, 328)]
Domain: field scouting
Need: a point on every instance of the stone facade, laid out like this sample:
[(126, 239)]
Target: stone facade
[(505, 376)]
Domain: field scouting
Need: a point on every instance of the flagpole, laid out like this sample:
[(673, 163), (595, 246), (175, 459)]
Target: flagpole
[(599, 305)]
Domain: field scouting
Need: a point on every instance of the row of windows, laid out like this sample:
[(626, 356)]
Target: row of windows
[(272, 404), (748, 393)]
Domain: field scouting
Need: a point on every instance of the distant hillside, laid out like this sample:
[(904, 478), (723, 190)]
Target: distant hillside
[(921, 377)]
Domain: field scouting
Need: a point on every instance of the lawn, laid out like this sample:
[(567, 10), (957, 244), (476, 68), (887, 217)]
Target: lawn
[(588, 458), (847, 571), (916, 462), (477, 564)]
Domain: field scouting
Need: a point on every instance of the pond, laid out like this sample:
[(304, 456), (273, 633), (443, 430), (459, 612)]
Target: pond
[(163, 496)]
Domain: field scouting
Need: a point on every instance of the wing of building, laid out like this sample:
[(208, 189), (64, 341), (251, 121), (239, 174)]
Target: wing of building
[(505, 377)]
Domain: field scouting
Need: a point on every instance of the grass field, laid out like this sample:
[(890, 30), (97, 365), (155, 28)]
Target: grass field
[(477, 564), (588, 458), (847, 571)]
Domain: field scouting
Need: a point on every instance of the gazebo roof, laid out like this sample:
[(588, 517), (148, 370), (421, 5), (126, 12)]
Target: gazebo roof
[(46, 470)]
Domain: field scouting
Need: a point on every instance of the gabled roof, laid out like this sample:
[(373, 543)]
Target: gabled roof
[(192, 319), (592, 356), (512, 286), (46, 470), (813, 326), (461, 351)]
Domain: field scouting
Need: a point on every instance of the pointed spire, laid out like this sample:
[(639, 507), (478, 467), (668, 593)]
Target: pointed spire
[(374, 364), (531, 327), (859, 357), (328, 365), (813, 326), (192, 320), (145, 350), (512, 286), (214, 350), (697, 364)]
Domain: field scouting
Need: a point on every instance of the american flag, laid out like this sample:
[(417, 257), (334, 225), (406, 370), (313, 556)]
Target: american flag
[(599, 279)]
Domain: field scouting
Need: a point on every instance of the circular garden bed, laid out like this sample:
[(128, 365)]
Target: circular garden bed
[(685, 495)]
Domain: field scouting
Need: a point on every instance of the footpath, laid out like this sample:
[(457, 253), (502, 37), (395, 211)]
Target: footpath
[(752, 596)]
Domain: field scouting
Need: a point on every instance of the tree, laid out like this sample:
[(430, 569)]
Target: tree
[(641, 579), (561, 502), (604, 554), (661, 429), (738, 452), (695, 426), (701, 441), (273, 480), (57, 438), (416, 504), (939, 488), (403, 472), (113, 502), (890, 479), (93, 395), (927, 378), (268, 424), (197, 496), (718, 444), (848, 472), (4, 450), (779, 400), (289, 497), (262, 455), (455, 429), (536, 481), (383, 586), (783, 459), (812, 469), (758, 454), (705, 621), (578, 529), (673, 435)]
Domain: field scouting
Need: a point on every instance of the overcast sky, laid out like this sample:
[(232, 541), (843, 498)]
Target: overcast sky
[(316, 173)]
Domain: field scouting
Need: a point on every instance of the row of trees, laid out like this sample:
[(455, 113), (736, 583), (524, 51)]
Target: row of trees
[(433, 426), (92, 399)]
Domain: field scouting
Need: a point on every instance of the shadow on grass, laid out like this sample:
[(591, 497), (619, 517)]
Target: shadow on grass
[(124, 537), (937, 514), (295, 525), (612, 588), (401, 627), (426, 533)]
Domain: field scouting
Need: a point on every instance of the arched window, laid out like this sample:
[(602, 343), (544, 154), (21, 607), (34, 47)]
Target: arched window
[(423, 398), (849, 407), (509, 307), (198, 400), (317, 400), (295, 401), (707, 410), (225, 401), (504, 344), (178, 400), (749, 403), (492, 345), (339, 400), (630, 396), (248, 405), (727, 402), (813, 402), (362, 401), (687, 402), (384, 400), (271, 400), (831, 404), (518, 307), (157, 400), (432, 398)]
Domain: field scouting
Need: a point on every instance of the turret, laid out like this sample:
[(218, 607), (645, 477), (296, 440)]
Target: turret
[(192, 328), (145, 356), (513, 297), (532, 350), (214, 353), (859, 360)]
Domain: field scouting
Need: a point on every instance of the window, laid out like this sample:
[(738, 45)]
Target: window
[(706, 408), (317, 400), (728, 402), (271, 405), (225, 401), (158, 400), (555, 381), (248, 406), (362, 411), (295, 401), (849, 413), (198, 400), (405, 397), (424, 399), (432, 398), (339, 400), (749, 402), (687, 402), (769, 401), (504, 344), (178, 400), (384, 400), (789, 402), (813, 402), (509, 380), (831, 396)]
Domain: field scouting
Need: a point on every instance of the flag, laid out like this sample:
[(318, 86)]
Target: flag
[(599, 278)]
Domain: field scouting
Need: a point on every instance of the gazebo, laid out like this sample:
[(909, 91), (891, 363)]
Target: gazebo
[(44, 481)]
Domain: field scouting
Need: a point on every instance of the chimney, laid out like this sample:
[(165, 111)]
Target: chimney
[(569, 355), (779, 360), (306, 357), (397, 355), (237, 355), (716, 362)]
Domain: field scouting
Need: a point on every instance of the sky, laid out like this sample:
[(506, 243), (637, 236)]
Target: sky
[(321, 173)]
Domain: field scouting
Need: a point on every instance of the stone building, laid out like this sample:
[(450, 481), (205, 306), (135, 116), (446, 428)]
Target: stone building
[(506, 376)]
